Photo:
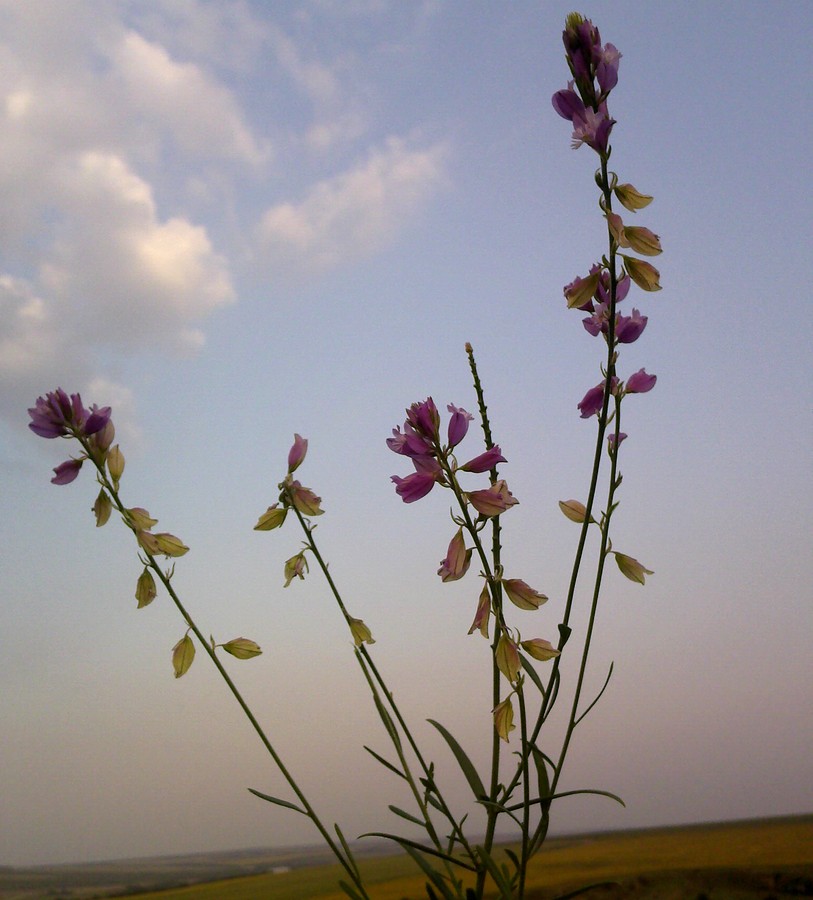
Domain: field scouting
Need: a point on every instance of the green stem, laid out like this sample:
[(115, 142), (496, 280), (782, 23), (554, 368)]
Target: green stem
[(347, 863), (370, 671)]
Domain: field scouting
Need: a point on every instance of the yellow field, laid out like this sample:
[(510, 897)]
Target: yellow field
[(632, 858)]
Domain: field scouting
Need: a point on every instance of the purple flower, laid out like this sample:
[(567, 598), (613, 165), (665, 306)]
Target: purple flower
[(629, 328), (592, 401), (410, 443), (458, 424), (592, 129), (484, 461), (640, 382), (54, 415), (425, 419), (66, 472), (296, 454), (611, 440), (568, 103), (414, 486), (607, 69)]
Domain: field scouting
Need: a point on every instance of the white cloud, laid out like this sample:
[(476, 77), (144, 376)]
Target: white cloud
[(355, 213), (122, 275), (200, 114)]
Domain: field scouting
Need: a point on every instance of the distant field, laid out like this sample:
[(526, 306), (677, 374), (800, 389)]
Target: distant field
[(753, 860)]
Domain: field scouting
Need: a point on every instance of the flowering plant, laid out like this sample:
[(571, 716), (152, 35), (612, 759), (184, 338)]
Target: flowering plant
[(520, 786)]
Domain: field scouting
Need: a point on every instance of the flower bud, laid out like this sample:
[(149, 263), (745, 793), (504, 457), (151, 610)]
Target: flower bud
[(507, 658), (574, 510), (483, 613), (242, 648), (539, 649), (169, 545), (521, 594), (484, 461), (361, 633), (631, 568), (102, 508), (630, 198), (504, 718), (115, 465), (183, 655), (646, 276), (272, 518), (297, 453), (145, 588)]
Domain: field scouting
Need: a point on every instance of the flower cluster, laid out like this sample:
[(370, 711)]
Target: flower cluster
[(595, 74), (584, 103), (434, 462), (57, 415)]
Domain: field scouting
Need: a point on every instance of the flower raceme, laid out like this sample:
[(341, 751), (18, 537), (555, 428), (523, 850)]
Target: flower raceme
[(433, 461)]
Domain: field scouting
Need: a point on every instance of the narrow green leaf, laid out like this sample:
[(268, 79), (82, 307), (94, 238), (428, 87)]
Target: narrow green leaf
[(431, 851), (278, 802), (463, 761), (384, 762), (496, 874), (348, 853), (532, 674), (435, 877), (408, 816)]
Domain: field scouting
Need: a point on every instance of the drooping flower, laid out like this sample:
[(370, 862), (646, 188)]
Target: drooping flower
[(183, 655), (242, 648), (630, 328), (483, 613), (592, 401), (503, 715), (66, 472), (644, 274), (457, 560), (630, 198), (574, 510), (304, 499), (539, 649), (630, 567), (522, 594), (413, 487), (579, 293), (145, 589), (295, 567), (493, 500), (361, 633), (507, 658), (640, 382), (272, 518), (458, 424), (484, 461)]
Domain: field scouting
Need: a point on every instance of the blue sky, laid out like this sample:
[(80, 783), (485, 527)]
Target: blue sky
[(237, 221)]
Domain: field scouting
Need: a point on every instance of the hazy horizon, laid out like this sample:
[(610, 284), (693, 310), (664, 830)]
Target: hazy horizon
[(234, 221)]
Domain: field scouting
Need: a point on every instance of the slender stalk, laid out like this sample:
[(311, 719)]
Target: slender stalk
[(373, 677), (347, 863)]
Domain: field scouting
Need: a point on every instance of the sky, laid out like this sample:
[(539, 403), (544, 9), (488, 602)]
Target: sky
[(237, 221)]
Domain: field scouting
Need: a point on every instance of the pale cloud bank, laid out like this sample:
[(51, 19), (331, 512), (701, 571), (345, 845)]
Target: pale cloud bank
[(354, 213)]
